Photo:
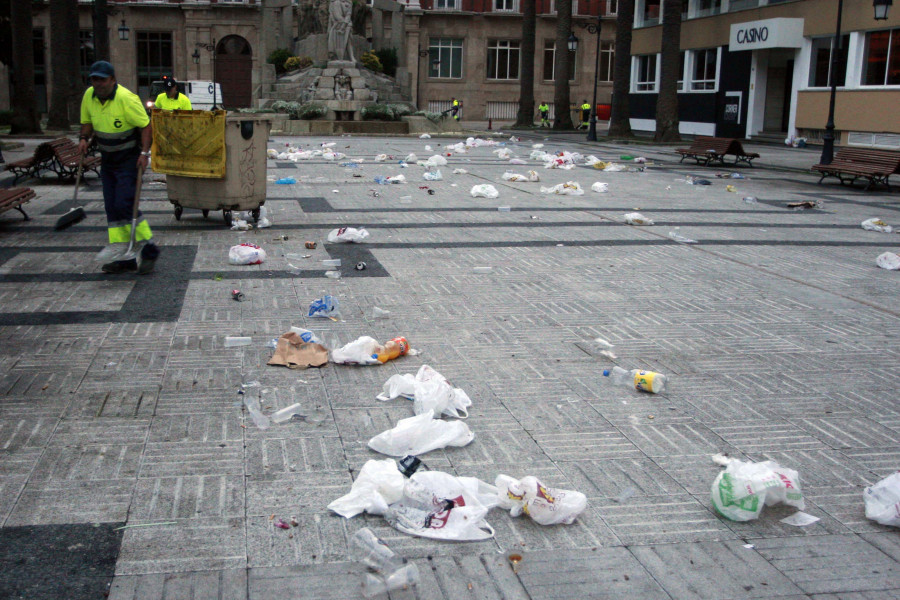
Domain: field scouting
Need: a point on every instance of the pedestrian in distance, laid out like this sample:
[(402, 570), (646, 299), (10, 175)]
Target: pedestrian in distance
[(116, 117), (172, 99), (585, 114), (454, 108), (544, 109)]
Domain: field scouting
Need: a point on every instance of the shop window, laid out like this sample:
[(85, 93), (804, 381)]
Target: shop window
[(703, 76), (607, 60), (503, 59), (550, 61), (154, 58), (645, 73), (820, 59), (881, 60), (445, 58)]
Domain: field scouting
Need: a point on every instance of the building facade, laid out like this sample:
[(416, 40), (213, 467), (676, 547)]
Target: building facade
[(760, 69), (471, 50), (187, 39)]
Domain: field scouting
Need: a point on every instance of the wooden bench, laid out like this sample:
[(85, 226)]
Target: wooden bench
[(712, 150), (850, 164), (65, 158), (31, 166), (15, 198)]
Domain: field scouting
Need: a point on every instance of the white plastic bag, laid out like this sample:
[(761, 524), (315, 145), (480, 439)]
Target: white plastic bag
[(569, 188), (397, 179), (742, 489), (510, 176), (424, 136), (883, 501), (378, 484), (637, 218), (600, 187), (591, 160), (533, 176), (420, 434), (484, 190), (411, 158), (246, 254), (440, 506), (380, 157), (876, 224), (889, 261), (360, 351), (436, 161), (433, 175), (459, 171), (517, 161), (503, 153), (347, 235), (430, 392), (546, 506)]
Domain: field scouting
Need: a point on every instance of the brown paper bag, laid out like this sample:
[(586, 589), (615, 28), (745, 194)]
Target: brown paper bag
[(294, 353)]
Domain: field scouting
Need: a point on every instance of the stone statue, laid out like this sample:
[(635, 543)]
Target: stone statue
[(342, 89), (339, 30)]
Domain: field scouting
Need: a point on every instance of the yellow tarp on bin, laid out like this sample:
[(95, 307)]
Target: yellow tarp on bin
[(190, 143)]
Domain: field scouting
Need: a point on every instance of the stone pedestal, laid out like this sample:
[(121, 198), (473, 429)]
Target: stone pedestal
[(343, 90)]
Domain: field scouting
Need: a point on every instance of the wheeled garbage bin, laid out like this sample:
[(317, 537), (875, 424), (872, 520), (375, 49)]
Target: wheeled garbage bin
[(213, 160)]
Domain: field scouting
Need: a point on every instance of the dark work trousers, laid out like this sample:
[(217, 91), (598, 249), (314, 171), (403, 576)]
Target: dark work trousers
[(119, 184)]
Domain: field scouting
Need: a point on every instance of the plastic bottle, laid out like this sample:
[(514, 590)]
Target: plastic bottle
[(368, 549), (644, 381), (402, 578), (392, 349)]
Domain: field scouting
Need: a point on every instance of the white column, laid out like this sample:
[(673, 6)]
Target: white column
[(756, 101)]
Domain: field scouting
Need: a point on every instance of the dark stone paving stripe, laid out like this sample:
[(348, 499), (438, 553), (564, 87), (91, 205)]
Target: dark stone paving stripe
[(40, 562)]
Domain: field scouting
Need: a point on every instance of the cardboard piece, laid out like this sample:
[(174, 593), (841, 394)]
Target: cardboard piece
[(294, 353)]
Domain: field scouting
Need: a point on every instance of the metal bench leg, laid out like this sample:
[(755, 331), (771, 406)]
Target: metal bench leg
[(22, 210)]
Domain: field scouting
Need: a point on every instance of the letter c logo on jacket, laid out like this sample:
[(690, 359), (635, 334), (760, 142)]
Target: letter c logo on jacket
[(117, 123)]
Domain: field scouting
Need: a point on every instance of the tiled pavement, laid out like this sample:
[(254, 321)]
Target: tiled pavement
[(119, 404)]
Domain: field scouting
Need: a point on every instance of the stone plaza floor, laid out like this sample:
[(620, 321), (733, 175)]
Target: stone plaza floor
[(780, 337)]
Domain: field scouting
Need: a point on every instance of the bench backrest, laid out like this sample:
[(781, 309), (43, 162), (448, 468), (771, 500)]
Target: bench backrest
[(718, 145), (870, 156)]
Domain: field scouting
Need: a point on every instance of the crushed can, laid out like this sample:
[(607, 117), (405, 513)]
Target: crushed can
[(310, 245), (237, 295), (360, 266)]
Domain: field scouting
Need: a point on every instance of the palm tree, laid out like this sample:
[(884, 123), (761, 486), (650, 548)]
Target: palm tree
[(525, 118), (25, 115), (667, 101), (64, 63), (620, 120), (101, 31), (562, 118)]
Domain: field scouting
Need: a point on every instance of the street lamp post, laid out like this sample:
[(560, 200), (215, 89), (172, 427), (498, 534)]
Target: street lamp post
[(882, 7), (592, 29), (196, 56)]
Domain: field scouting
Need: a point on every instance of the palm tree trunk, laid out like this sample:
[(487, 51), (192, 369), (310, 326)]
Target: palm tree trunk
[(63, 62), (620, 120), (562, 118), (525, 118), (25, 115), (667, 101), (101, 31)]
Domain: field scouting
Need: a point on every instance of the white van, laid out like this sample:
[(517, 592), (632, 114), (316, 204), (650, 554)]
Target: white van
[(200, 93)]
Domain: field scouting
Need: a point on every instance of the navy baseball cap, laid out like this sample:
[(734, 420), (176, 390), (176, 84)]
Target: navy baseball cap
[(170, 83), (103, 69)]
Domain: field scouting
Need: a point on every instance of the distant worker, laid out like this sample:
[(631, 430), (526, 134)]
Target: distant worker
[(544, 109), (585, 114), (172, 99), (454, 108), (116, 117)]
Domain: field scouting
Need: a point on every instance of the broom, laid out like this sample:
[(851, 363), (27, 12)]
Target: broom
[(77, 214)]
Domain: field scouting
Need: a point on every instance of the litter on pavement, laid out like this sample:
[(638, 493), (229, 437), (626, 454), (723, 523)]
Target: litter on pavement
[(740, 492), (883, 501)]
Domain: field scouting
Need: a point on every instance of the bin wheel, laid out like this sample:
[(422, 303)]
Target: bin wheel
[(255, 214), (178, 211), (227, 215), (205, 212)]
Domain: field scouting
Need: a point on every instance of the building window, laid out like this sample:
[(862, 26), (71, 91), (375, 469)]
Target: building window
[(821, 59), (550, 61), (154, 58), (446, 4), (40, 70), (881, 62), (648, 12), (682, 59), (506, 5), (706, 8), (607, 60), (645, 73), (503, 59), (445, 58), (704, 74), (612, 7), (85, 53)]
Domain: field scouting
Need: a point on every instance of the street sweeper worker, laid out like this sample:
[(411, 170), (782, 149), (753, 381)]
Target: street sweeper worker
[(116, 117), (172, 99)]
